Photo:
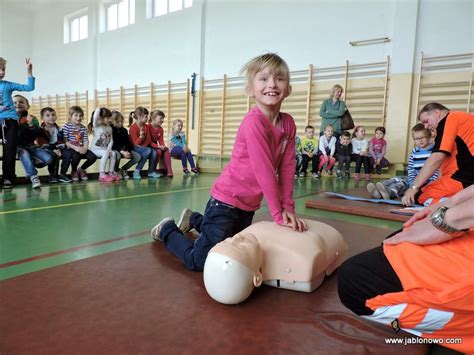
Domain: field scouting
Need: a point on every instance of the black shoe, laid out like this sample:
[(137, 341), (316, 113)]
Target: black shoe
[(378, 171), (53, 180), (7, 184), (347, 176), (64, 178)]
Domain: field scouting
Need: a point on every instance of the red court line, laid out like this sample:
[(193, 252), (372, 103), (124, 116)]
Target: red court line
[(70, 250)]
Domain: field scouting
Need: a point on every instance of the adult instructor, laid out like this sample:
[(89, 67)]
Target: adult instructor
[(452, 154), (332, 109)]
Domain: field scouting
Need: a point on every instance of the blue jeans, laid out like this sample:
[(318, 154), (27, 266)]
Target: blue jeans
[(179, 152), (32, 156), (146, 153), (220, 221)]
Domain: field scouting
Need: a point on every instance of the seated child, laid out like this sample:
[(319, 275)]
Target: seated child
[(53, 143), (122, 146), (327, 148), (396, 187), (377, 150), (30, 154), (343, 154), (179, 147), (309, 145), (299, 155), (102, 143), (76, 140), (360, 154), (157, 118)]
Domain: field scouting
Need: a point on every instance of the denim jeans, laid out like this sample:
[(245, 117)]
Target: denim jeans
[(146, 153), (220, 221), (32, 156), (131, 162), (396, 186)]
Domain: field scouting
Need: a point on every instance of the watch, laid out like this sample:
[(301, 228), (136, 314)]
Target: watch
[(437, 220), (413, 187)]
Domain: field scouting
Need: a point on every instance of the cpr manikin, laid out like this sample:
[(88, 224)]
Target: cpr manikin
[(275, 255)]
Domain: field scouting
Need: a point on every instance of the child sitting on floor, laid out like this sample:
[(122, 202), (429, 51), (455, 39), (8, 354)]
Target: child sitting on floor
[(343, 154), (377, 150), (179, 147), (309, 144), (396, 187), (327, 148), (360, 154)]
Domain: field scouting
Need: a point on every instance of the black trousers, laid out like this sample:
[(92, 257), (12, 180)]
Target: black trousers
[(343, 160), (365, 276), (314, 162), (359, 159), (10, 141), (75, 159)]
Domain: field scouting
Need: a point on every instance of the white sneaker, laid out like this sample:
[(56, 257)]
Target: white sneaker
[(374, 192), (183, 222), (35, 182), (156, 230), (383, 191)]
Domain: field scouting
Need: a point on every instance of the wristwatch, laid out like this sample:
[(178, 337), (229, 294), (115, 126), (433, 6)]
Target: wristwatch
[(413, 187), (437, 220)]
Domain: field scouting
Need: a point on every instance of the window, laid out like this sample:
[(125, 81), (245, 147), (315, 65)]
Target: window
[(163, 7), (120, 14), (76, 26)]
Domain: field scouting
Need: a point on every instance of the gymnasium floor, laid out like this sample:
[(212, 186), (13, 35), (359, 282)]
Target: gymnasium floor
[(62, 223)]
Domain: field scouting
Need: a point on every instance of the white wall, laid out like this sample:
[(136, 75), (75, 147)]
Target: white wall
[(15, 37), (214, 37)]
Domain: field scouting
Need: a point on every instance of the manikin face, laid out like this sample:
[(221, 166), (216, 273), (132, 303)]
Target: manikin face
[(49, 118), (422, 140), (310, 133), (379, 134), (345, 140), (430, 119), (76, 118), (269, 89), (20, 104)]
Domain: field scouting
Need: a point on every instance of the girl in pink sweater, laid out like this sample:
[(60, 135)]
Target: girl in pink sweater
[(262, 165)]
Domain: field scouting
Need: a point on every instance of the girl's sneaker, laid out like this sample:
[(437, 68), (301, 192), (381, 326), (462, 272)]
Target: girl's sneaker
[(35, 182), (75, 176), (115, 176), (106, 178), (186, 171), (154, 175), (367, 177), (338, 174), (195, 171), (136, 175), (329, 172), (82, 174), (317, 175), (357, 177), (124, 174), (64, 178)]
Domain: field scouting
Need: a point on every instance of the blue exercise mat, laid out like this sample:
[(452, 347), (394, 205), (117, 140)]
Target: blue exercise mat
[(376, 200)]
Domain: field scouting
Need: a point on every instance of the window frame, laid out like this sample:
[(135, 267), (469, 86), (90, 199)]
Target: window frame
[(131, 14), (73, 19)]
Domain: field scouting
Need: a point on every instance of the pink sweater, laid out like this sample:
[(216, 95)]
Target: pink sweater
[(262, 164)]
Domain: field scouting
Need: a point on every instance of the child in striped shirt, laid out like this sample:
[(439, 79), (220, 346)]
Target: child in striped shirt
[(77, 143), (396, 187)]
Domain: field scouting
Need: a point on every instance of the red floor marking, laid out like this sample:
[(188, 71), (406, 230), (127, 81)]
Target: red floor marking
[(65, 251)]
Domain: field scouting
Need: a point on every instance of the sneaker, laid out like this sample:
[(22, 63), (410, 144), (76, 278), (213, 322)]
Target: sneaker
[(82, 175), (383, 191), (136, 175), (357, 177), (169, 176), (64, 178), (35, 182), (301, 174), (347, 176), (373, 190), (186, 172), (123, 174), (53, 180), (154, 175), (378, 170), (117, 177), (106, 178), (316, 175), (156, 230), (75, 176), (195, 171), (338, 175), (329, 172), (367, 177), (7, 184), (183, 222)]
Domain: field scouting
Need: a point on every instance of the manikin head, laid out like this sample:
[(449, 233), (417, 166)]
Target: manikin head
[(232, 269)]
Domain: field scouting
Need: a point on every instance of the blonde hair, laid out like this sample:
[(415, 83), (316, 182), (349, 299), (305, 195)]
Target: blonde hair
[(3, 61), (175, 122), (269, 60), (334, 89)]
